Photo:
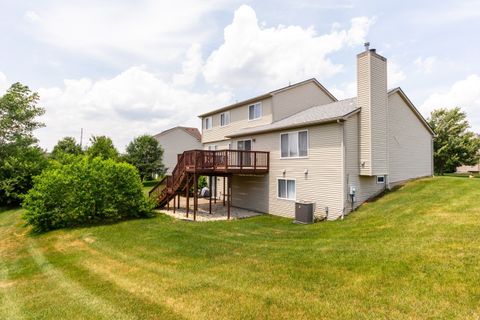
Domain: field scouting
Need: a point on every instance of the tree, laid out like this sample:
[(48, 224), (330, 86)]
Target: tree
[(102, 146), (454, 145), (20, 157), (146, 154), (66, 146), (18, 111)]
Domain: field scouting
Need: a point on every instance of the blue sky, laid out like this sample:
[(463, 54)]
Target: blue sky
[(125, 68)]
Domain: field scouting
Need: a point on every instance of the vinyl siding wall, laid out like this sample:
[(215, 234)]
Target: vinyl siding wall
[(410, 143), (176, 142), (294, 100), (322, 185), (379, 114), (238, 120), (250, 192), (372, 98), (366, 186)]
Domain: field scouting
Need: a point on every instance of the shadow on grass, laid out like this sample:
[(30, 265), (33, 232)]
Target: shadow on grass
[(34, 232)]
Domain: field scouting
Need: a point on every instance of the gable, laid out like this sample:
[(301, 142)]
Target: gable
[(398, 93), (299, 98)]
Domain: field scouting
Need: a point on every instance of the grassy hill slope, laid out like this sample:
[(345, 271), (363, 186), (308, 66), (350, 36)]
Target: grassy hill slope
[(415, 253)]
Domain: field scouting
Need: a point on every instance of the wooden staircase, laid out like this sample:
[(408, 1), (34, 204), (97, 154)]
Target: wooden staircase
[(193, 163)]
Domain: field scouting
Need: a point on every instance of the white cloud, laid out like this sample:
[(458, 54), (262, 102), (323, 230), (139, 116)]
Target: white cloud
[(344, 91), (191, 67), (464, 94), (425, 64), (32, 16), (269, 57), (395, 74), (132, 103), (110, 30)]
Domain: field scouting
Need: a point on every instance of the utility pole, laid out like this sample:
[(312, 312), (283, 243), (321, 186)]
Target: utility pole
[(81, 137)]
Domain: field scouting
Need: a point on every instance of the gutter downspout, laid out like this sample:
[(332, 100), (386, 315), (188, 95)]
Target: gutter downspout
[(343, 153)]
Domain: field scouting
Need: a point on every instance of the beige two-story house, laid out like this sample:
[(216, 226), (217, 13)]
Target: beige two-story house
[(336, 154)]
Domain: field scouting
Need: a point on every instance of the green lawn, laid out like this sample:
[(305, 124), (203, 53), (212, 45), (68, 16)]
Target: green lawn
[(413, 254)]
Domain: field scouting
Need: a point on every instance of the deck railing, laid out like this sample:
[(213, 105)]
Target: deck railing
[(226, 160)]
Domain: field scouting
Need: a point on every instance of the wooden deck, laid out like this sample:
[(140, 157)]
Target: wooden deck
[(193, 163)]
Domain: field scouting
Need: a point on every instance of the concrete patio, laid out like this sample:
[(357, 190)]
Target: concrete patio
[(219, 211)]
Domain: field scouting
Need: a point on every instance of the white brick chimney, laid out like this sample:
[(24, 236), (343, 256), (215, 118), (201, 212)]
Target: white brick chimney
[(372, 99)]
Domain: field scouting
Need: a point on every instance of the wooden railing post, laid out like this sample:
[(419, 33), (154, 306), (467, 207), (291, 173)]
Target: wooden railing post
[(241, 160), (213, 160), (254, 162), (226, 159)]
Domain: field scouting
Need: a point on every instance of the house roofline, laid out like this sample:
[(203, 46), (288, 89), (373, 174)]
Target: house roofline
[(270, 94), (199, 138)]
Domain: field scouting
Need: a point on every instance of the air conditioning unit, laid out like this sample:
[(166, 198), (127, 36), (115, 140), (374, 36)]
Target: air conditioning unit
[(304, 212)]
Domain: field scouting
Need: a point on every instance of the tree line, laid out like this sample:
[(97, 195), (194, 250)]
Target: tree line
[(21, 158)]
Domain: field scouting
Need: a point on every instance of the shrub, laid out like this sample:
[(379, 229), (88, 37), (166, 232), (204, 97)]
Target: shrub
[(85, 191)]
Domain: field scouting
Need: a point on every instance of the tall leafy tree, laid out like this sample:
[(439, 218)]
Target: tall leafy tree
[(20, 157), (102, 146), (454, 144), (66, 146), (146, 154)]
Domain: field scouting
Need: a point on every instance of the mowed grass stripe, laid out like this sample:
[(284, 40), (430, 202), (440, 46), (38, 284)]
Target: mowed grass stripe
[(10, 308), (74, 289)]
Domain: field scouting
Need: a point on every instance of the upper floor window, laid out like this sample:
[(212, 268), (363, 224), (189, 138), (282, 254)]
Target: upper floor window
[(255, 111), (294, 144), (207, 123), (224, 119), (212, 147)]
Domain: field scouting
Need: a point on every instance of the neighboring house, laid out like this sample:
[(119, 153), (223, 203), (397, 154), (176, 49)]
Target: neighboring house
[(336, 154), (175, 141)]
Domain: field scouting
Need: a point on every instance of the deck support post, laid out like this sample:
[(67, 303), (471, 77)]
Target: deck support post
[(187, 194), (178, 204), (229, 196), (174, 203), (195, 196), (215, 184), (210, 195), (224, 190)]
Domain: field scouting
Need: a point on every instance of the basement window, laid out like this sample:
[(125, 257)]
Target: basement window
[(286, 189), (380, 179)]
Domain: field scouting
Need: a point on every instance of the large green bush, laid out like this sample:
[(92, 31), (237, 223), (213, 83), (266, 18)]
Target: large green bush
[(83, 192)]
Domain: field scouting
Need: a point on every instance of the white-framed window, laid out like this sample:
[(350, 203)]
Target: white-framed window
[(224, 119), (212, 147), (380, 179), (294, 144), (207, 123), (286, 189), (255, 111)]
